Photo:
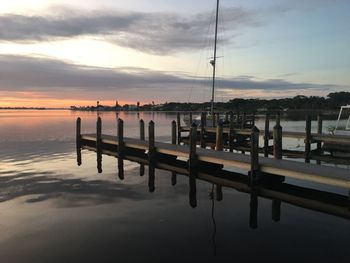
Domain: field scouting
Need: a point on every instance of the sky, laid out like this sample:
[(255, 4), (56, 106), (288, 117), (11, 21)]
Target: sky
[(56, 53)]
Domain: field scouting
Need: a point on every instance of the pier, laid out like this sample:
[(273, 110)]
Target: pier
[(217, 166), (235, 129)]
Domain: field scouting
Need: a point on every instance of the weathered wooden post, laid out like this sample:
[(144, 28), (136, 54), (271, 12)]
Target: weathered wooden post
[(191, 118), (213, 118), (151, 157), (178, 128), (99, 144), (308, 139), (192, 166), (121, 149), (319, 131), (231, 135), (219, 147), (217, 118), (203, 123), (254, 155), (243, 120), (142, 138), (78, 141), (173, 141), (277, 138), (266, 135)]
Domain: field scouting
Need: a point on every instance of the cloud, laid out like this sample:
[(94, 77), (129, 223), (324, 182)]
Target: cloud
[(157, 33), (58, 78)]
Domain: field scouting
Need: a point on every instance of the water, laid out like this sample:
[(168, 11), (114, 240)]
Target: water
[(51, 210)]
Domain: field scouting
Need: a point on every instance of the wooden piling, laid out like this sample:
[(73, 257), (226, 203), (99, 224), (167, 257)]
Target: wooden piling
[(191, 118), (219, 133), (121, 149), (202, 133), (151, 157), (142, 138), (78, 141), (99, 144), (213, 118), (226, 117), (266, 135), (319, 131), (217, 118), (178, 118), (231, 135), (277, 138), (192, 166), (244, 116), (308, 139), (219, 147), (254, 155), (173, 141)]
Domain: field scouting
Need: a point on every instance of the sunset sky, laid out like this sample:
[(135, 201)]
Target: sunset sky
[(55, 54)]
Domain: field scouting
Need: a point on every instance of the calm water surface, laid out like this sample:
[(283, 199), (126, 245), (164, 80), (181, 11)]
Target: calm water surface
[(51, 210)]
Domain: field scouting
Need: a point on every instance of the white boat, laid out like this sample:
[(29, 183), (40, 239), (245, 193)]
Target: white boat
[(341, 130)]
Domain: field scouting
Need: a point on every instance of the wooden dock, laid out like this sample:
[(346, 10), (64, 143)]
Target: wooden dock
[(219, 167), (236, 134)]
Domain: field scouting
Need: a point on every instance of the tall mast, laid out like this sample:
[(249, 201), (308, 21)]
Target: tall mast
[(213, 62)]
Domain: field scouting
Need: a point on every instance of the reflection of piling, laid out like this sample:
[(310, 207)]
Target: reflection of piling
[(99, 144), (192, 166), (253, 215), (173, 141), (276, 210), (219, 147), (78, 141), (151, 157), (120, 149), (142, 138), (308, 139)]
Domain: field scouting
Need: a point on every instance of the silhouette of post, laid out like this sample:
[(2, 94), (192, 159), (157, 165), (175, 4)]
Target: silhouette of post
[(308, 139), (173, 141), (78, 141), (266, 135), (142, 138), (120, 149), (151, 157), (192, 166), (319, 131), (219, 147), (99, 144), (232, 132)]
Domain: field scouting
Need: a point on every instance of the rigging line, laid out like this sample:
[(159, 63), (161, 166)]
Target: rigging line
[(206, 40)]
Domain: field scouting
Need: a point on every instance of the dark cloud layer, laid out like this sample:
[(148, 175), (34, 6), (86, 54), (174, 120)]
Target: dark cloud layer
[(18, 73), (158, 33)]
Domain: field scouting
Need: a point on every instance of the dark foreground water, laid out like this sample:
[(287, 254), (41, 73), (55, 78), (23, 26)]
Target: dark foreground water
[(51, 210)]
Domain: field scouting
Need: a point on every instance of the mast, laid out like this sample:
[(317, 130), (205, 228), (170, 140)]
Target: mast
[(213, 62)]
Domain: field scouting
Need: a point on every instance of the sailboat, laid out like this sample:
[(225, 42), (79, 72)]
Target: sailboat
[(197, 120)]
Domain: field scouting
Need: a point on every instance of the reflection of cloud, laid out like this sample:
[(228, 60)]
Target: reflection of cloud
[(53, 76), (43, 186), (158, 33)]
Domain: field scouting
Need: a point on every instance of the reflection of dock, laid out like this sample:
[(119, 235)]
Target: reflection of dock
[(265, 175)]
